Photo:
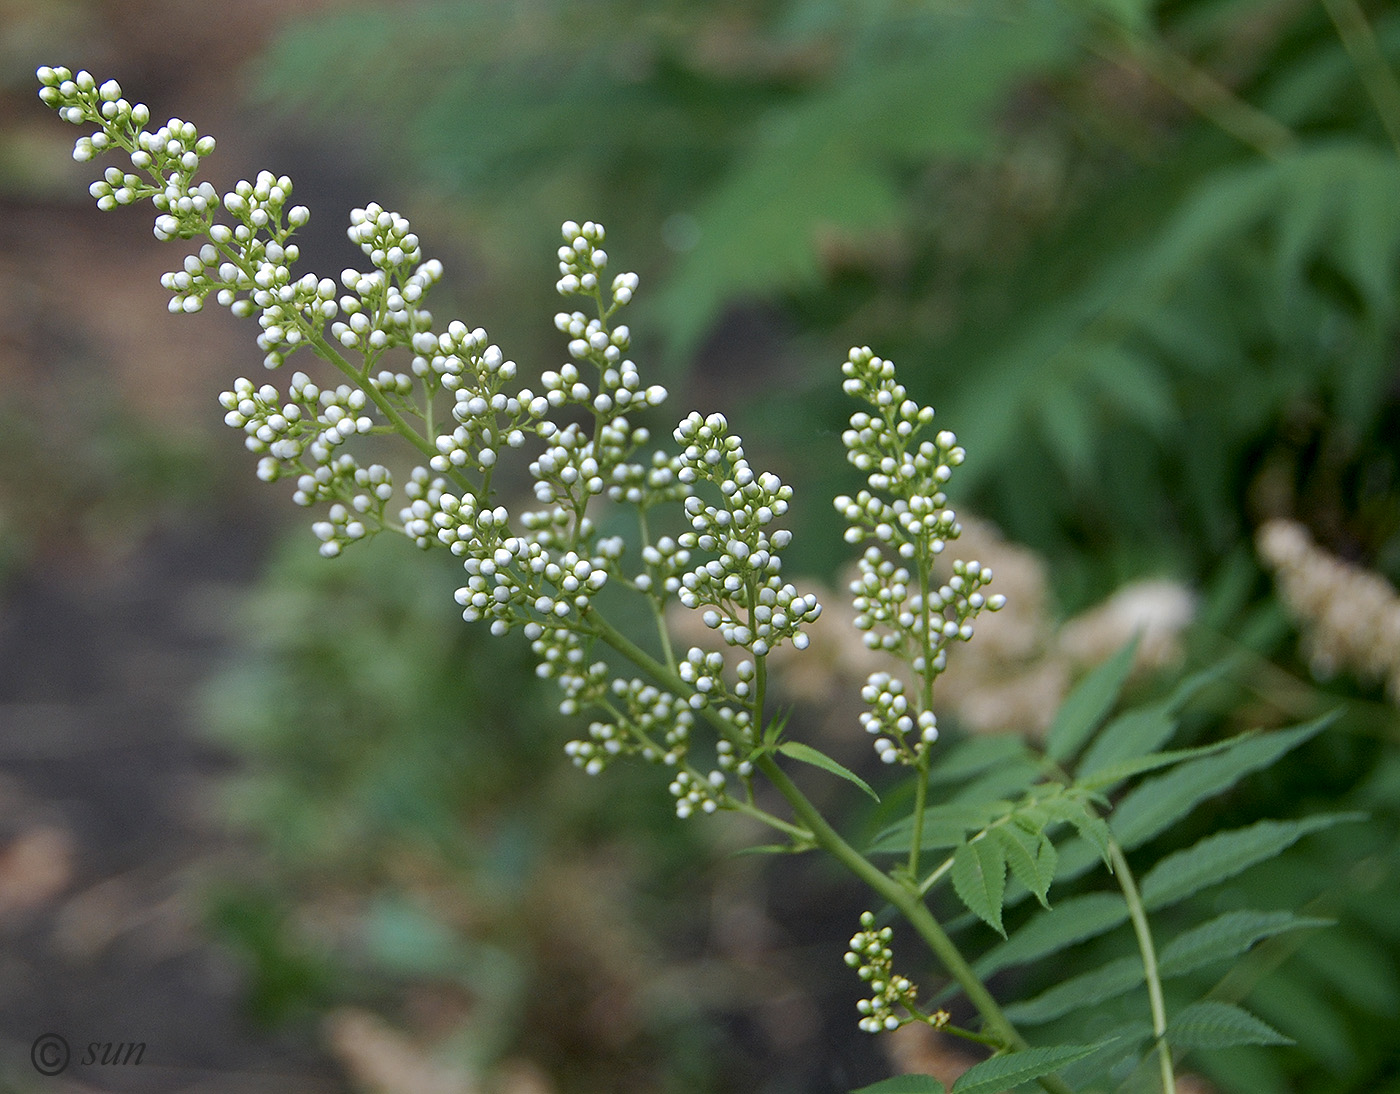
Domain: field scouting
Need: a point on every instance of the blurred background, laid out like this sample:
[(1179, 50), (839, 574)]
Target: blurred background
[(295, 827)]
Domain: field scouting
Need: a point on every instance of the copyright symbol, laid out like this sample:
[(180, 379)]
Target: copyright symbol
[(49, 1054)]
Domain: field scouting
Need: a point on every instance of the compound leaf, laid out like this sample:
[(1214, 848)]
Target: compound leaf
[(1031, 857), (1106, 982), (1154, 805), (1072, 920)]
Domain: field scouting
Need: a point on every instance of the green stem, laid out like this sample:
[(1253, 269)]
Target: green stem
[(920, 800), (1138, 914), (1359, 40), (658, 609), (909, 903), (997, 1027)]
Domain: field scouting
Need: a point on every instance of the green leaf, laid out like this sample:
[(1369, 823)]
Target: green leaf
[(1031, 857), (807, 754), (1115, 773), (1225, 854), (1004, 1072), (979, 879), (944, 826), (1140, 731), (1155, 805), (1228, 936), (1130, 735), (1108, 981), (1009, 779), (1213, 1024), (904, 1084), (1088, 704), (1072, 920), (1086, 822), (975, 755)]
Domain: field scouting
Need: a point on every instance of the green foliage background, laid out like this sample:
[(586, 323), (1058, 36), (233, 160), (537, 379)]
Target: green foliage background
[(1143, 319)]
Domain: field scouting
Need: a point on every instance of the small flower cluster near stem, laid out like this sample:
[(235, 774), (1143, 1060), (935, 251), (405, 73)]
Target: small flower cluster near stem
[(873, 959)]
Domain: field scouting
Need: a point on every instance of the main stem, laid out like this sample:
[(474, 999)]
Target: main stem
[(908, 901)]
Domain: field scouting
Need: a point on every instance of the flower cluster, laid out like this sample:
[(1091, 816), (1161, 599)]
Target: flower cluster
[(749, 604), (899, 610), (454, 399), (1350, 617), (873, 959)]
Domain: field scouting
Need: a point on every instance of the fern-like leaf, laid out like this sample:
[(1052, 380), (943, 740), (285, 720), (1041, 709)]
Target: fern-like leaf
[(1154, 805), (1225, 854), (1228, 936), (1213, 1024), (1075, 919), (1108, 981), (1004, 1072), (1085, 708)]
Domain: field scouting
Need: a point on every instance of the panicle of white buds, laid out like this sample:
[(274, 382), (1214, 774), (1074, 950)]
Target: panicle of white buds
[(871, 956), (740, 590), (540, 571), (905, 511)]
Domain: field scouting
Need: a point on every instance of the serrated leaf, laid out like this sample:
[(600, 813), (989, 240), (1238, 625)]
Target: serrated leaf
[(1092, 827), (1156, 804), (1143, 730), (1130, 735), (1031, 857), (1227, 936), (904, 1084), (1108, 981), (808, 755), (1004, 1072), (1009, 779), (979, 879), (1072, 920), (1125, 769), (1088, 704), (1213, 1024), (1122, 1048), (1225, 854)]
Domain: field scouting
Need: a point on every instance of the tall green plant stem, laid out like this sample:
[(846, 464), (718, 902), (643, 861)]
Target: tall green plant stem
[(902, 895), (1359, 40), (1138, 914), (912, 907)]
